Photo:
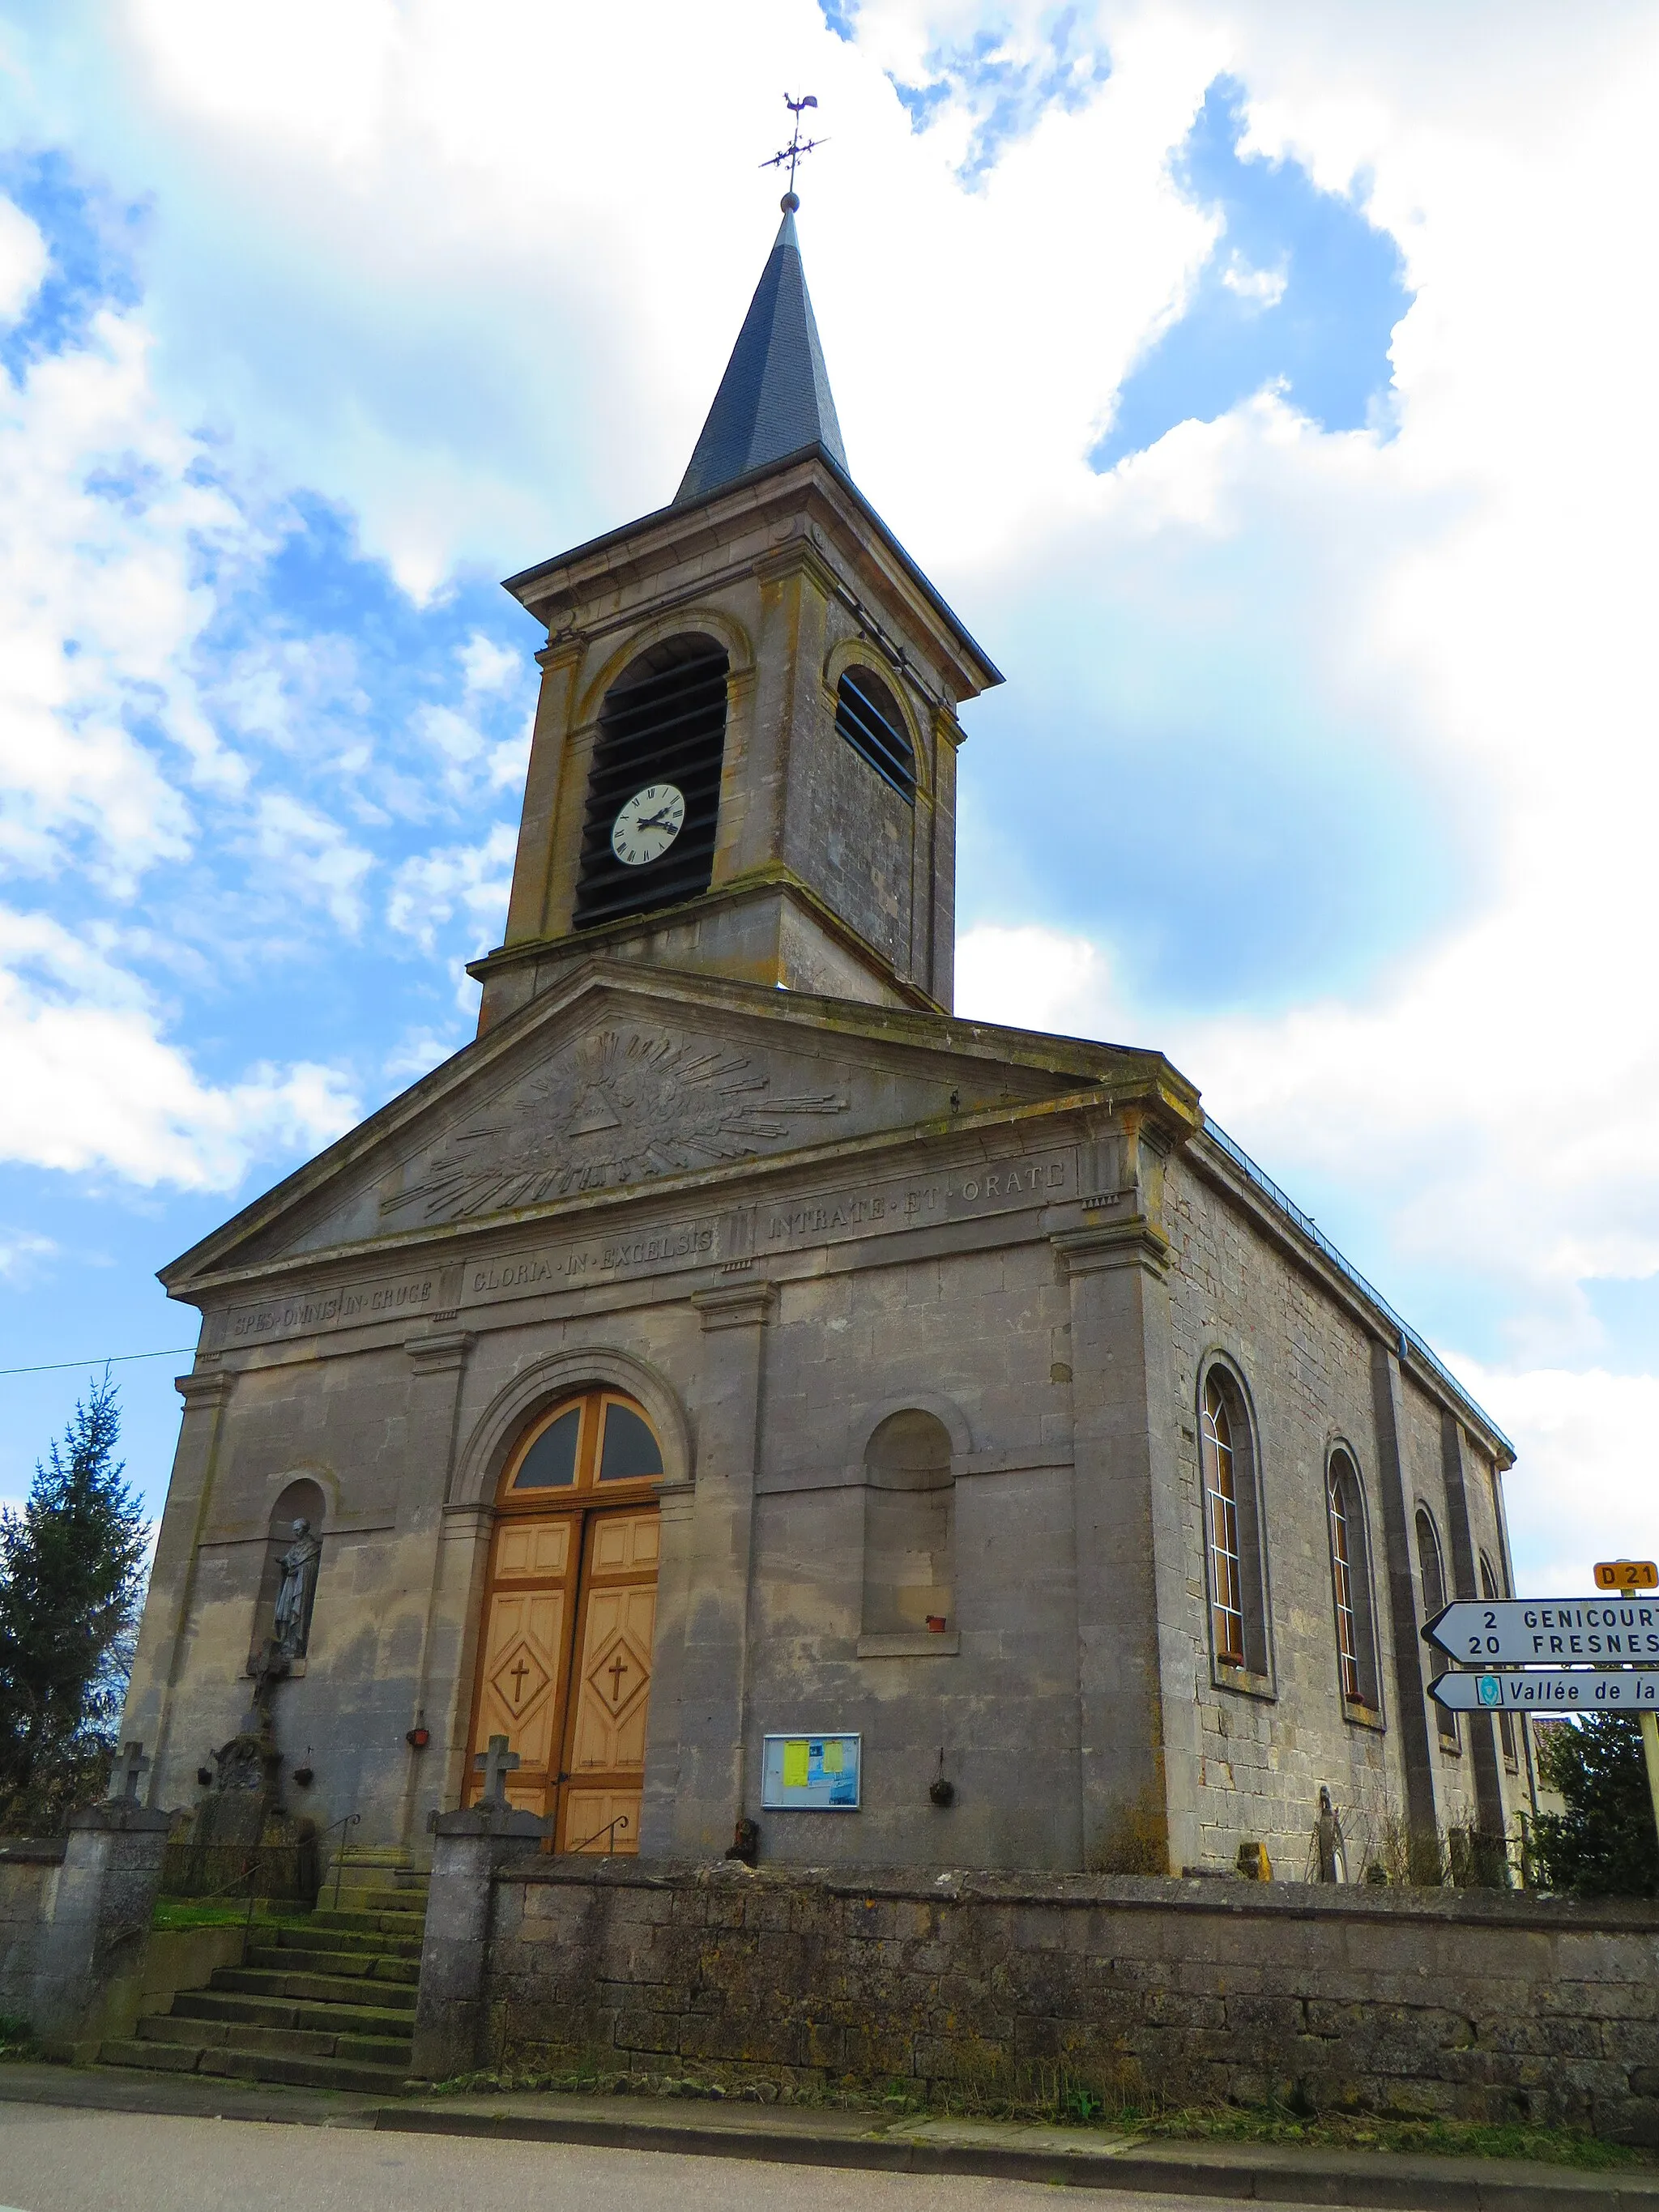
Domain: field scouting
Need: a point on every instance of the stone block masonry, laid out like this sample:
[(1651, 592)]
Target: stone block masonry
[(1465, 2005)]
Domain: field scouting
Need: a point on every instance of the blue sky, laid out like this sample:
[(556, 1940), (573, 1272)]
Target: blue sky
[(1199, 354)]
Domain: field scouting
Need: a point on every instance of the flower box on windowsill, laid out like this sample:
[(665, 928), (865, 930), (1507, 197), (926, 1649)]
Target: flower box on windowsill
[(1244, 1680), (911, 1644)]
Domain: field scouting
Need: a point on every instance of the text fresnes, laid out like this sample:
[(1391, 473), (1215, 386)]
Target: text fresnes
[(1593, 1631)]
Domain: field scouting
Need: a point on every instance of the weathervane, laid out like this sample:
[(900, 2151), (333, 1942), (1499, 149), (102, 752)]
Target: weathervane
[(793, 152)]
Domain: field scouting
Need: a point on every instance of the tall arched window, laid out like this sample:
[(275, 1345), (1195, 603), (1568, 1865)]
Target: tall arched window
[(1490, 1588), (1432, 1575), (867, 715), (1350, 1584), (1233, 1530), (654, 788), (909, 1535)]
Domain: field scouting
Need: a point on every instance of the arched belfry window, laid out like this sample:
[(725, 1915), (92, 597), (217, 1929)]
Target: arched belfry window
[(1432, 1576), (1351, 1585), (909, 1530), (1232, 1531), (654, 788), (867, 715)]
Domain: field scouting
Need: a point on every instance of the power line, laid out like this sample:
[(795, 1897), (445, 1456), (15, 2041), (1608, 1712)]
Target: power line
[(101, 1359)]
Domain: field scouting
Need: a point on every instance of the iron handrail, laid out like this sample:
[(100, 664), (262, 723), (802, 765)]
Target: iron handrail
[(609, 1829), (346, 1820)]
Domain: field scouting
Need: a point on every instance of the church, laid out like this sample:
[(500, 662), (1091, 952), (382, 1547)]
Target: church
[(759, 1402)]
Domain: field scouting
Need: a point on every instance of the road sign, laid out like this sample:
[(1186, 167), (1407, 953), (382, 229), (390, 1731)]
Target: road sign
[(1627, 1574), (1523, 1631), (1552, 1690)]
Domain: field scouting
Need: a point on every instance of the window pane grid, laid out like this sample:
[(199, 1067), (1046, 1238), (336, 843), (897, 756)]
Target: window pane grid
[(1226, 1577), (1347, 1622)]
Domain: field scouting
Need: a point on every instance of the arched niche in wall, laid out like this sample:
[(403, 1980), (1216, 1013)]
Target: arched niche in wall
[(909, 1535), (301, 1499)]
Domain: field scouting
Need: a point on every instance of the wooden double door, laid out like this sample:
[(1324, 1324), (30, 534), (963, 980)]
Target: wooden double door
[(564, 1668)]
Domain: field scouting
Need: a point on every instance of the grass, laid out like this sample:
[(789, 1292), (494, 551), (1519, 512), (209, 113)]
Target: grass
[(219, 1912), (1440, 2138), (1071, 2104)]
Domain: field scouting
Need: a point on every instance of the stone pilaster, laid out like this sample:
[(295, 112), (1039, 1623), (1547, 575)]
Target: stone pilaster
[(1136, 1708), (452, 2010), (1465, 1580), (711, 1668), (1411, 1714), (560, 661), (164, 1638), (439, 1361)]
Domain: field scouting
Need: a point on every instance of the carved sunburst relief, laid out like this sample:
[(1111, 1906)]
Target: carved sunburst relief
[(626, 1105)]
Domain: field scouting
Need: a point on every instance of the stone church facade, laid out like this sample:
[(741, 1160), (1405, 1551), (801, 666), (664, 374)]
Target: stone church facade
[(731, 1344)]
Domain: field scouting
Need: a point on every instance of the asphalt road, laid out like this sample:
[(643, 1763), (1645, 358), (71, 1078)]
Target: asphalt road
[(55, 2160)]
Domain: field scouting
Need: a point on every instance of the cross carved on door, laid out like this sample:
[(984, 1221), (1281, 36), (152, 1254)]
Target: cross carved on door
[(517, 1678), (617, 1669)]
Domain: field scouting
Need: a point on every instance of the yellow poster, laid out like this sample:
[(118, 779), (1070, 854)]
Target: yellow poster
[(832, 1755), (794, 1762)]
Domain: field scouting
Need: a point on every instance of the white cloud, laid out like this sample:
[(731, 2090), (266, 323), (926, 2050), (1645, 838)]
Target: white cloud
[(91, 1083), (469, 880), (101, 521), (20, 1252), (487, 666), (23, 261), (1032, 978), (307, 848), (1580, 1436), (1261, 288)]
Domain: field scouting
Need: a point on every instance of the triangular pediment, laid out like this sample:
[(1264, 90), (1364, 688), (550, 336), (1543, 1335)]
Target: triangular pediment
[(624, 1078)]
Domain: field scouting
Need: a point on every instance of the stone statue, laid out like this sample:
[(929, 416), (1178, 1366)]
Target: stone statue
[(299, 1565), (1328, 1840)]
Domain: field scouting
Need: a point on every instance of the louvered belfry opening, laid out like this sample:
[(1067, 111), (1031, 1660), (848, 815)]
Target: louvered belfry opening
[(867, 716), (663, 721)]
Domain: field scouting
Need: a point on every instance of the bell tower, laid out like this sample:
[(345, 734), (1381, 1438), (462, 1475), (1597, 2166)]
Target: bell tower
[(744, 755)]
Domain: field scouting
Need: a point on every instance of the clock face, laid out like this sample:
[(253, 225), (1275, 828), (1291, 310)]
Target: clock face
[(647, 824)]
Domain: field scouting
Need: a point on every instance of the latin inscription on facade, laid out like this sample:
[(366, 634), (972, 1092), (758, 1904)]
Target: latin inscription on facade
[(913, 1205), (691, 1243), (333, 1309)]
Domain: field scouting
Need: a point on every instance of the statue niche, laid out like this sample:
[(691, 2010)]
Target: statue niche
[(288, 1587)]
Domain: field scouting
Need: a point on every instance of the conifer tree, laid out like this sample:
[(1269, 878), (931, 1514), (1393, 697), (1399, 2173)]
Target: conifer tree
[(71, 1587), (1605, 1844)]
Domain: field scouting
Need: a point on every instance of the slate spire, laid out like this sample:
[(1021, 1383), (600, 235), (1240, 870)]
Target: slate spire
[(773, 398)]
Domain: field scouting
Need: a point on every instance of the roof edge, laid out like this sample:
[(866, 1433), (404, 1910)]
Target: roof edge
[(672, 513)]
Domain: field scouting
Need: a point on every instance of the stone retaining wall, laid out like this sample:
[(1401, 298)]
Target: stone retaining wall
[(1467, 2003), (28, 1887)]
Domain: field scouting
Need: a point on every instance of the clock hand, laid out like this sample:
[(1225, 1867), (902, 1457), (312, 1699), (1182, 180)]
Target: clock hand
[(654, 821)]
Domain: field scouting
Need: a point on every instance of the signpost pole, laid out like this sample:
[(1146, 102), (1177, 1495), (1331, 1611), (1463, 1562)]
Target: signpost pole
[(1650, 1753)]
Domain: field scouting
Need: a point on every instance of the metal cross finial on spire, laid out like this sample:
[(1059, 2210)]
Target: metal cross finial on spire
[(793, 152)]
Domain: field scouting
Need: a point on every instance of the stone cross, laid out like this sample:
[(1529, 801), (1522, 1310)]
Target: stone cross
[(495, 1765), (124, 1782)]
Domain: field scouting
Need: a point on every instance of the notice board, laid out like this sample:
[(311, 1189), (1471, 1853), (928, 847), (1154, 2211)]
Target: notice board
[(811, 1773)]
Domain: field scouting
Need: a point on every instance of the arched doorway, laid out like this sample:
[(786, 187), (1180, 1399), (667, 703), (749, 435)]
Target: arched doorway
[(565, 1647)]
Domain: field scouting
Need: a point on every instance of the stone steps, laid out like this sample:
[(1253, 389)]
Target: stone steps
[(327, 2005), (313, 1989), (286, 2012), (256, 2066), (338, 1966)]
